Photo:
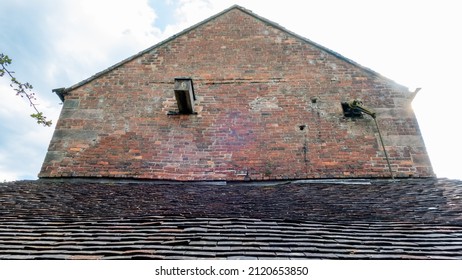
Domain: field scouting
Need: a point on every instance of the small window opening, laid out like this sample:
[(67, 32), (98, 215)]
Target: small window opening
[(184, 95)]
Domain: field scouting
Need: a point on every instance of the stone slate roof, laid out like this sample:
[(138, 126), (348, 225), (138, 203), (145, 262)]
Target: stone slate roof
[(355, 219)]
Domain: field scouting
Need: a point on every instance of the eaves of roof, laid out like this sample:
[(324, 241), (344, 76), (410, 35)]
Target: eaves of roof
[(405, 219), (62, 91)]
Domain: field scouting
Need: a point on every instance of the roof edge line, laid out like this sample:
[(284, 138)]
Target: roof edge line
[(332, 52), (163, 42), (274, 182), (248, 12)]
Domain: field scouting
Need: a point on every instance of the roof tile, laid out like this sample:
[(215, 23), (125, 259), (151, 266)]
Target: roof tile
[(404, 219)]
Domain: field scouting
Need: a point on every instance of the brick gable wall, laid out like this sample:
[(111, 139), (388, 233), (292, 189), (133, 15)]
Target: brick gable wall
[(255, 86)]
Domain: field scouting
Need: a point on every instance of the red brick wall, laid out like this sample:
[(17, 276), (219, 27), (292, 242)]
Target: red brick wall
[(254, 85)]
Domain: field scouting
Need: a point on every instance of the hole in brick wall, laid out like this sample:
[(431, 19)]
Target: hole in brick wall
[(302, 127), (349, 112)]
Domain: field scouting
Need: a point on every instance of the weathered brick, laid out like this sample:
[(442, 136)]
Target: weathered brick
[(256, 84)]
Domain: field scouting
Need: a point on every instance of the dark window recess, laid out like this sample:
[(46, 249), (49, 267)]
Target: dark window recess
[(350, 112), (184, 95)]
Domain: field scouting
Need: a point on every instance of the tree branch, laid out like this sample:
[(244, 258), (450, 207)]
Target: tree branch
[(22, 89)]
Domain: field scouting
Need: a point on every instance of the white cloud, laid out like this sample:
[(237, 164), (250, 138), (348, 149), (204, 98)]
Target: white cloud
[(23, 142), (89, 36), (188, 13)]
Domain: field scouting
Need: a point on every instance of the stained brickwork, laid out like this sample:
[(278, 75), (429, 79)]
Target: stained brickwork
[(256, 84)]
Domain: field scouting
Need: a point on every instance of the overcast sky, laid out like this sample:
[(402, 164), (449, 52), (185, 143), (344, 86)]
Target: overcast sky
[(57, 43)]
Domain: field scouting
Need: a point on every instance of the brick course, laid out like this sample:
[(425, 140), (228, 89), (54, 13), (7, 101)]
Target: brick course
[(255, 84)]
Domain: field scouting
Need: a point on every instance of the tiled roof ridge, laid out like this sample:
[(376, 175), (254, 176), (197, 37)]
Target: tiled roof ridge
[(333, 180)]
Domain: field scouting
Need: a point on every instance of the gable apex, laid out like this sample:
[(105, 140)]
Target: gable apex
[(61, 92)]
